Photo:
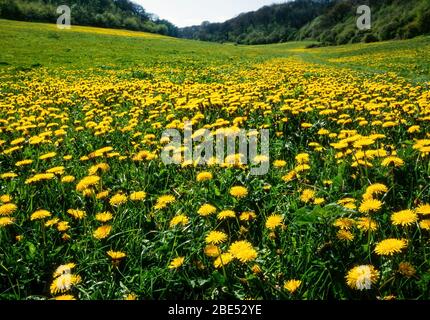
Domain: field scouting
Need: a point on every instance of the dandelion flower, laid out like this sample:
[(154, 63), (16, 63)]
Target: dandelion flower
[(367, 224), (371, 205), (212, 251), (223, 260), (116, 255), (63, 226), (279, 163), (395, 161), (40, 214), (243, 251), (307, 195), (425, 224), (345, 235), (67, 179), (179, 220), (239, 192), (63, 269), (292, 285), (102, 232), (204, 176), (8, 209), (404, 218), (407, 269), (87, 182), (118, 200), (65, 297), (344, 223), (64, 283), (362, 277), (389, 247), (77, 214), (225, 214), (163, 201), (216, 237), (424, 209), (247, 215), (274, 221), (5, 198), (138, 196), (104, 216), (176, 263), (5, 221), (206, 210)]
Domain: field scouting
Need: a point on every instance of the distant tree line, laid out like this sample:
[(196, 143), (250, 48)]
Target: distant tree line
[(122, 14), (327, 21), (270, 24)]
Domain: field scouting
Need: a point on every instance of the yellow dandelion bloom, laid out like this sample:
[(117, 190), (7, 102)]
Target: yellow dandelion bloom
[(176, 263), (102, 195), (389, 247), (243, 251), (63, 269), (216, 237), (5, 221), (239, 192), (102, 232), (292, 285), (425, 224), (87, 182), (67, 179), (223, 260), (225, 214), (212, 251), (274, 221), (5, 198), (345, 235), (64, 283), (163, 201), (48, 156), (247, 215), (116, 255), (302, 158), (138, 196), (279, 163), (362, 277), (77, 214), (63, 226), (404, 218), (395, 161), (206, 210), (104, 216), (65, 297), (370, 205), (344, 223), (118, 200), (367, 224), (8, 209), (40, 214), (180, 219), (307, 195), (204, 176), (424, 209)]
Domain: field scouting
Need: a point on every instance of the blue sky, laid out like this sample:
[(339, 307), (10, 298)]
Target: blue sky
[(191, 12)]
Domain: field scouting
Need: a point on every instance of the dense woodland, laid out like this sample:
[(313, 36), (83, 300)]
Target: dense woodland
[(122, 14), (325, 21)]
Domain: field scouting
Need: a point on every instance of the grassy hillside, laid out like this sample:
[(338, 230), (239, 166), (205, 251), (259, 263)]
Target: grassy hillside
[(88, 209), (120, 14)]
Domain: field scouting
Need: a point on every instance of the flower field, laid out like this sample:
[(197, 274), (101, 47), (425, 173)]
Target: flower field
[(88, 210)]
